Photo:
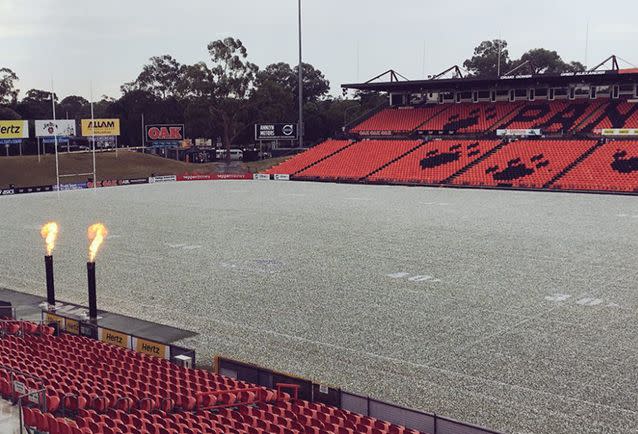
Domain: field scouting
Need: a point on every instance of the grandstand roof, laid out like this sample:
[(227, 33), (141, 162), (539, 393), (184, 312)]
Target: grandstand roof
[(599, 78)]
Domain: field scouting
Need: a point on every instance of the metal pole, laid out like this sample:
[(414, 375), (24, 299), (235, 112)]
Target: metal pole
[(300, 83), (55, 140), (93, 138), (498, 67), (586, 44), (38, 139), (48, 267), (90, 271), (143, 144)]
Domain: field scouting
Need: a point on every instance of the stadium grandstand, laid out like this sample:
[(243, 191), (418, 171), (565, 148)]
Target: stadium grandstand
[(569, 131), (69, 384)]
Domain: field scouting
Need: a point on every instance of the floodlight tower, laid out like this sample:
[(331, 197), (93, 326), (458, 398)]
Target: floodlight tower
[(300, 127)]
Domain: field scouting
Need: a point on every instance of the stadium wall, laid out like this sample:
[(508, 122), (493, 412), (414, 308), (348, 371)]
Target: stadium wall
[(334, 396)]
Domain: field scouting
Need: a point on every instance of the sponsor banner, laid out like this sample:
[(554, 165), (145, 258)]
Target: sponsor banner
[(72, 326), (261, 177), (72, 186), (133, 181), (100, 127), (618, 131), (164, 133), (151, 348), (213, 176), (7, 142), (196, 177), (103, 183), (14, 129), (163, 178), (519, 132), (223, 176), (51, 317), (275, 131), (38, 189), (114, 338), (59, 127), (282, 177), (52, 140), (375, 133), (7, 192)]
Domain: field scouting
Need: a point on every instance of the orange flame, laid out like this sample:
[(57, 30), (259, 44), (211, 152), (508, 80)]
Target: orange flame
[(49, 232), (96, 233)]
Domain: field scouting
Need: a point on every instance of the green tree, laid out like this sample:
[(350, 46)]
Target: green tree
[(74, 107), (36, 105), (8, 92), (162, 77), (485, 61), (542, 61), (315, 85), (230, 82)]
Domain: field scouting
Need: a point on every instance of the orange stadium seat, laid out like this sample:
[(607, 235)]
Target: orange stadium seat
[(525, 163), (85, 380), (435, 161), (309, 157), (611, 167), (359, 160), (398, 119)]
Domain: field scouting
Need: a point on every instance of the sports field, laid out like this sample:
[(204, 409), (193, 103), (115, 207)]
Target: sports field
[(512, 310)]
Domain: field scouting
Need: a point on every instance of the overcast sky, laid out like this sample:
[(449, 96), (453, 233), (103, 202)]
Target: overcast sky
[(74, 42)]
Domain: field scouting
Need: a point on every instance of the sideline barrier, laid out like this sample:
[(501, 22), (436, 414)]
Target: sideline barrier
[(213, 176), (117, 337), (163, 178), (261, 177), (72, 186), (117, 182), (313, 392), (37, 189), (132, 181)]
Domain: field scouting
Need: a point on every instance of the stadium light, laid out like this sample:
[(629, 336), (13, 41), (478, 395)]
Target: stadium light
[(55, 140), (300, 81)]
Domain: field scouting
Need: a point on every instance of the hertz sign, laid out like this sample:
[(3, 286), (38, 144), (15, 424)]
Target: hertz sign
[(14, 129), (100, 127), (115, 338), (172, 133), (151, 348)]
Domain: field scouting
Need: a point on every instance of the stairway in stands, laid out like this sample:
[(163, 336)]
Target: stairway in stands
[(572, 165), (506, 116), (445, 107), (395, 159), (325, 157), (475, 162)]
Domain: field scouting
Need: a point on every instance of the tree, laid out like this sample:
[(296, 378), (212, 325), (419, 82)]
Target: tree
[(542, 61), (36, 105), (485, 62), (8, 92), (315, 85), (75, 107), (231, 79), (162, 77)]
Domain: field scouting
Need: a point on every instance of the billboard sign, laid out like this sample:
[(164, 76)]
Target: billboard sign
[(59, 127), (275, 131), (618, 131), (519, 132), (14, 130), (165, 133), (100, 127)]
